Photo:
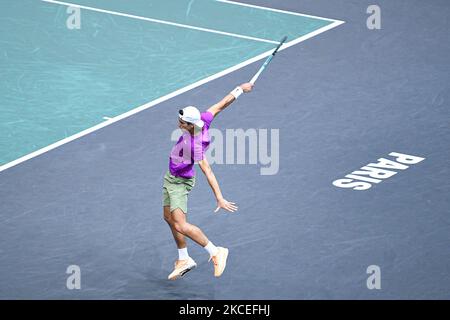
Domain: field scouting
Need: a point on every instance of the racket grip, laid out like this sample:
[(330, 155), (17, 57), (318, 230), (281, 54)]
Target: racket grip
[(255, 77)]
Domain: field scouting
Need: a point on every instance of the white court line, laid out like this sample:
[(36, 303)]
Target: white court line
[(186, 26), (276, 10), (166, 97)]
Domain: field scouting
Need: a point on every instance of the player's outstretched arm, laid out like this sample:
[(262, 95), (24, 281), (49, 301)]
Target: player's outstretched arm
[(229, 98), (221, 202)]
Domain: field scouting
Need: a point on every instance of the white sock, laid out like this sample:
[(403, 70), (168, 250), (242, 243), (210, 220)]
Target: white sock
[(183, 254), (211, 248)]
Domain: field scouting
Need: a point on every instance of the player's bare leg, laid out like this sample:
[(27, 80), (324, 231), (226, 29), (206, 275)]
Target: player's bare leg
[(218, 255), (184, 264), (180, 224), (179, 238)]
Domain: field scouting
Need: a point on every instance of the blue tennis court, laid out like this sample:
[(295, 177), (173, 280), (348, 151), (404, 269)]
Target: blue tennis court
[(60, 81), (342, 177)]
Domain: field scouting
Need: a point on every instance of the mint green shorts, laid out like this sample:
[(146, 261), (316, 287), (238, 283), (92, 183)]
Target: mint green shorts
[(176, 190)]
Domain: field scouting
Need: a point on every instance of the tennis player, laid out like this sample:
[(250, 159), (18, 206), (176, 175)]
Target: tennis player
[(180, 179)]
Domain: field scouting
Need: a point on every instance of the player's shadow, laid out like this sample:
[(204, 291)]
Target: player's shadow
[(154, 285)]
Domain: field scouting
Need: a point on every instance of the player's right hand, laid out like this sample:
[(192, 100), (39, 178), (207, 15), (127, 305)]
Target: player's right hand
[(247, 87)]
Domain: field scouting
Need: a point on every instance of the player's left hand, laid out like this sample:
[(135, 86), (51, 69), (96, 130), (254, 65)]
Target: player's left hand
[(224, 204)]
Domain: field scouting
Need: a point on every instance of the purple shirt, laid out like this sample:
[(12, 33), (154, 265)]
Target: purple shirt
[(190, 149)]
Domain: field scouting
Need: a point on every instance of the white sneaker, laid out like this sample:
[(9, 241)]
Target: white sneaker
[(181, 268), (220, 261)]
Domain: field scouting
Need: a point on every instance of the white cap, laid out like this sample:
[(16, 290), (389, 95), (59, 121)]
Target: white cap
[(192, 115)]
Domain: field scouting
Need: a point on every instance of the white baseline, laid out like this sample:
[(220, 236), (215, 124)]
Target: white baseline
[(276, 10), (186, 26)]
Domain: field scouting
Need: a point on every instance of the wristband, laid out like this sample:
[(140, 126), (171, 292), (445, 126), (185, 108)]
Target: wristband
[(237, 92)]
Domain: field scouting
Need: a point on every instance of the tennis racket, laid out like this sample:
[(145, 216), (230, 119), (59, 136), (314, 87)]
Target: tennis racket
[(266, 63)]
